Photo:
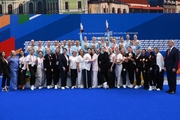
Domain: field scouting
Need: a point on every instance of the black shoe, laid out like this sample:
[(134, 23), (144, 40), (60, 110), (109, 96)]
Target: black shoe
[(171, 92)]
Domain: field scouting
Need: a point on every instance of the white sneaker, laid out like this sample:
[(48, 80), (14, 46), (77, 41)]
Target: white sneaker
[(55, 87), (67, 87), (32, 87), (48, 87), (72, 87), (81, 86), (118, 86), (150, 88), (158, 89), (58, 86), (100, 86), (62, 88), (130, 86), (51, 86), (124, 86), (40, 87)]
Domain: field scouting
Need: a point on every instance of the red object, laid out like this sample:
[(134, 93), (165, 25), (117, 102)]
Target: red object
[(7, 45), (135, 1)]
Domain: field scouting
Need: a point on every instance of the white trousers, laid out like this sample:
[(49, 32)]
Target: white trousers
[(40, 76), (118, 70), (79, 78), (94, 79)]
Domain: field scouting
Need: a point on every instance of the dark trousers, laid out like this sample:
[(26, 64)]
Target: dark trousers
[(104, 75), (123, 73), (112, 77), (171, 77), (138, 77), (99, 79), (56, 74), (21, 77), (32, 70), (151, 76), (49, 75), (63, 77), (86, 78), (73, 76), (131, 73), (160, 79), (145, 77), (7, 77)]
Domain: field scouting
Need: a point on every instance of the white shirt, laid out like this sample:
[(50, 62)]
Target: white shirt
[(24, 62), (21, 61), (40, 63), (160, 61), (119, 57), (111, 57), (87, 64), (31, 59), (80, 60), (73, 61)]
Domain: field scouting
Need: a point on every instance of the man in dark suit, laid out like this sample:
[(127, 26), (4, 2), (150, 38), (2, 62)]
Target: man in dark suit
[(171, 66), (64, 68)]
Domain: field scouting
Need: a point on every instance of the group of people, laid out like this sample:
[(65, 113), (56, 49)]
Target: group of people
[(105, 63)]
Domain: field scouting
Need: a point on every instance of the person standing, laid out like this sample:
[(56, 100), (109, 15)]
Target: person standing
[(13, 61), (94, 61), (87, 70), (103, 64), (56, 68), (73, 68), (112, 69), (131, 60), (31, 67), (64, 68), (124, 66), (5, 72), (145, 61), (40, 70), (159, 69), (151, 69), (48, 68), (80, 67), (171, 66), (118, 61), (21, 71)]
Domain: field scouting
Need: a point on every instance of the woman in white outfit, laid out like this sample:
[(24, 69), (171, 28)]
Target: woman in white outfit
[(40, 70), (118, 61), (94, 69), (73, 68), (80, 62)]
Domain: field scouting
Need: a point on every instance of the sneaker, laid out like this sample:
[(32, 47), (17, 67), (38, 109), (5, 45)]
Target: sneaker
[(58, 86), (6, 89), (32, 87), (55, 87), (158, 89), (100, 86), (150, 88), (118, 86), (51, 86), (72, 87), (130, 86), (62, 88), (124, 86), (3, 89), (81, 86), (40, 87), (48, 87), (67, 87)]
